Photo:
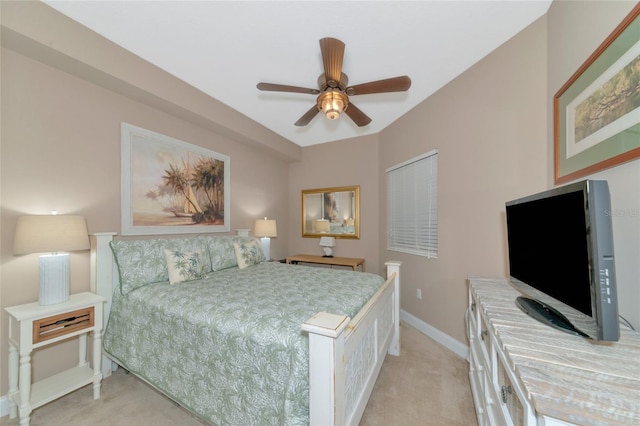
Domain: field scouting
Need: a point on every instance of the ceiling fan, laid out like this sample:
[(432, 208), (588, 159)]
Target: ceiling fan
[(333, 92)]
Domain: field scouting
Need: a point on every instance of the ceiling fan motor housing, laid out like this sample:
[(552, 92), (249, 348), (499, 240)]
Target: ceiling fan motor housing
[(324, 84)]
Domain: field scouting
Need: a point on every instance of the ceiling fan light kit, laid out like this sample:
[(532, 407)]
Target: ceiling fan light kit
[(332, 103), (333, 92)]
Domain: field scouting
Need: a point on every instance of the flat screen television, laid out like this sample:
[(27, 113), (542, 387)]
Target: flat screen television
[(561, 258)]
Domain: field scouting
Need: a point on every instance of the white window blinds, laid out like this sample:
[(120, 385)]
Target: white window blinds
[(413, 206)]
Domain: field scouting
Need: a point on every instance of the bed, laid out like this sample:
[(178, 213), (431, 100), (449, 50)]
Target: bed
[(240, 340)]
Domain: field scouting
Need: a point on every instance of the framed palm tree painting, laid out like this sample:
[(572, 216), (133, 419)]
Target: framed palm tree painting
[(170, 186)]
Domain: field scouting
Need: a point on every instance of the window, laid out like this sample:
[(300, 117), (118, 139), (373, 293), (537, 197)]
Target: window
[(413, 206)]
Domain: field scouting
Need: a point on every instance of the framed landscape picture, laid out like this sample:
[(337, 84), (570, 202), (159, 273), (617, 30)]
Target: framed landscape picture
[(170, 186), (597, 112)]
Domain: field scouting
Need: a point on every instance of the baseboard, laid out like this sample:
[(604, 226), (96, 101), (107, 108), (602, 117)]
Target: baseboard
[(445, 340), (4, 406)]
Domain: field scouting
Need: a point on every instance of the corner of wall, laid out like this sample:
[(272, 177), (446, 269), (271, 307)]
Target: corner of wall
[(444, 339)]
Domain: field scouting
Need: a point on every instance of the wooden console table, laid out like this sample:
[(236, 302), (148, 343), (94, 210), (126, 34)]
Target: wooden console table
[(339, 261)]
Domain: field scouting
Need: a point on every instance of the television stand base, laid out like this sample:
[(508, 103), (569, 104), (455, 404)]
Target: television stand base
[(547, 315)]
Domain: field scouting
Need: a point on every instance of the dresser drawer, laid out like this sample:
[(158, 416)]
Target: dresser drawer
[(508, 398)]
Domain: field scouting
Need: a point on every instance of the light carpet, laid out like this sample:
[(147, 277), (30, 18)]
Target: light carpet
[(426, 385)]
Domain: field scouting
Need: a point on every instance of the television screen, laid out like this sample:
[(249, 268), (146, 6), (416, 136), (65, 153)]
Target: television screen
[(561, 258)]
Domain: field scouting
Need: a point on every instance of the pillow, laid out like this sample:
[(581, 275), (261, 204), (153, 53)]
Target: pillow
[(221, 252), (184, 265), (142, 262), (248, 253)]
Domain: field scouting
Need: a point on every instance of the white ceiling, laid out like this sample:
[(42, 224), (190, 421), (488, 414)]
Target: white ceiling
[(224, 48)]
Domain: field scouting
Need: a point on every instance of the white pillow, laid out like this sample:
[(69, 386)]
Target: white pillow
[(184, 265), (248, 253)]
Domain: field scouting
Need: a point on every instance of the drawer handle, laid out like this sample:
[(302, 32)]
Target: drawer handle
[(483, 334), (505, 391)]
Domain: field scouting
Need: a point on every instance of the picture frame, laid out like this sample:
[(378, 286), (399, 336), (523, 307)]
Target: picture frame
[(169, 186), (331, 212), (597, 122)]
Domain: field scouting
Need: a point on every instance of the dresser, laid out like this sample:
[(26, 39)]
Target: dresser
[(523, 372)]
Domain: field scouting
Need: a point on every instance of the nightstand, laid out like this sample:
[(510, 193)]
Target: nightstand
[(32, 326)]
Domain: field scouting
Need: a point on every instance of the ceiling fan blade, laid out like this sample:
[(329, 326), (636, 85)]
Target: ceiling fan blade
[(332, 55), (395, 84), (308, 116), (272, 87), (358, 117)]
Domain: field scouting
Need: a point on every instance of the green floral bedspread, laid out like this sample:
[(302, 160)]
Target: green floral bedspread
[(229, 347)]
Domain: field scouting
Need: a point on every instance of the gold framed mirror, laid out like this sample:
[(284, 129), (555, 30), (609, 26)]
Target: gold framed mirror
[(331, 212)]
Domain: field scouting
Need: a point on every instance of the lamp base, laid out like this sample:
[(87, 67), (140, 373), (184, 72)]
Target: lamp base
[(265, 245), (328, 252), (54, 279)]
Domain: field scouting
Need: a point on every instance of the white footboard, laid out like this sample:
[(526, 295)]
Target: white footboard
[(345, 356)]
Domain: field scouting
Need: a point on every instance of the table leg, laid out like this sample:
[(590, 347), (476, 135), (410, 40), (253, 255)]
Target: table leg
[(13, 380), (25, 388), (97, 363)]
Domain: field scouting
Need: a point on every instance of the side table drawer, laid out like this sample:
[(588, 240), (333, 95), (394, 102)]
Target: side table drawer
[(59, 325)]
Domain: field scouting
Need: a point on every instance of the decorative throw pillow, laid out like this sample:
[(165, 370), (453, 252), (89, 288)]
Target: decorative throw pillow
[(184, 265), (248, 253)]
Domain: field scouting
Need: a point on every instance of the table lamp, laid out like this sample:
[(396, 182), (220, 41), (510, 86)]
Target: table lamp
[(51, 234), (265, 229), (322, 226), (327, 243)]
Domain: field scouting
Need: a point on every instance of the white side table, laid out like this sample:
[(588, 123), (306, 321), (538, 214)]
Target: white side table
[(32, 326)]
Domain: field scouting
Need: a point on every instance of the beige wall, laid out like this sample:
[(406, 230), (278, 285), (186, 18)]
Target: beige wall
[(61, 150), (576, 29), (342, 163), (489, 128), (493, 129)]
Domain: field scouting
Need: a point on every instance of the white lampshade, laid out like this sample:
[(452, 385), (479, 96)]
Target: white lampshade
[(327, 243), (322, 225), (265, 228), (51, 234)]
